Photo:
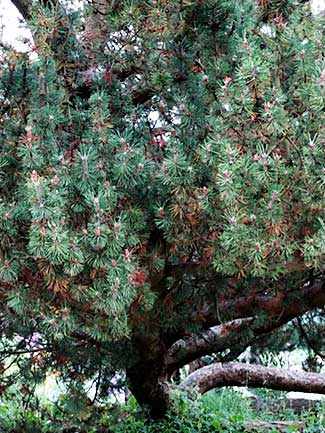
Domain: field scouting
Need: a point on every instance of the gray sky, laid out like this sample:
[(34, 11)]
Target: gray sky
[(13, 32), (10, 28)]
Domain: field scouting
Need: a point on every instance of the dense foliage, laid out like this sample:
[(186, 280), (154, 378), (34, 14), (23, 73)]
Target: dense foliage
[(159, 161)]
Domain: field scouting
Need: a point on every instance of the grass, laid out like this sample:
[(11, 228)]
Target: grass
[(222, 411)]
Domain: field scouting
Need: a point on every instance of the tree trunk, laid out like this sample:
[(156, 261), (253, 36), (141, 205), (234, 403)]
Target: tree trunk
[(148, 384), (239, 374), (147, 378)]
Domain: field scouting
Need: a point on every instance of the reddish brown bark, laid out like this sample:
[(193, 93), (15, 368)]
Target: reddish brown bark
[(245, 331), (239, 374), (149, 386), (214, 339), (147, 378), (292, 303)]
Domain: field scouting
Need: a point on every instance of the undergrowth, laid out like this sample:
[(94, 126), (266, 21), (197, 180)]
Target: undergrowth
[(223, 411)]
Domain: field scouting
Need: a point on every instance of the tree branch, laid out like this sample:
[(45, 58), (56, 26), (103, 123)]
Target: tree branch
[(215, 339), (96, 28), (291, 302), (24, 6), (62, 51), (309, 342), (239, 374), (242, 332)]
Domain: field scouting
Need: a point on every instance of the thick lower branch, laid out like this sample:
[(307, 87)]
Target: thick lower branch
[(293, 303), (276, 311), (243, 332), (258, 376), (214, 339)]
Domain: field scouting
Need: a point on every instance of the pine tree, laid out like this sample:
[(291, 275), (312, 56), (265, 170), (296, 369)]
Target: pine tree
[(162, 186)]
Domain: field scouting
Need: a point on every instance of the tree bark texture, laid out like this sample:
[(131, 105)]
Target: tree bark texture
[(240, 374), (148, 384), (214, 339)]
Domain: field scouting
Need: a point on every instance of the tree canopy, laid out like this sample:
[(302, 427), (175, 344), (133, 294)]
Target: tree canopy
[(162, 188)]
